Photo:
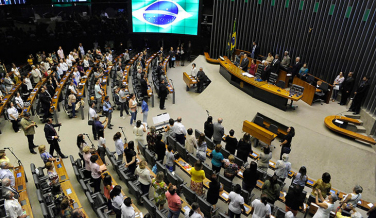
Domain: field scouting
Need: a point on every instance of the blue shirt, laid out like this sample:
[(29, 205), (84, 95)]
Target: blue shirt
[(107, 106), (217, 158), (45, 156), (98, 125), (144, 106)]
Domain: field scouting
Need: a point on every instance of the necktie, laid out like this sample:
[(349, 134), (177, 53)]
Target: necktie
[(53, 128)]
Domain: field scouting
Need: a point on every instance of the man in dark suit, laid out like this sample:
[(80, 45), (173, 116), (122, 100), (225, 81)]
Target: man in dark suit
[(244, 64), (159, 70), (201, 77), (296, 67), (266, 71), (346, 88), (144, 85), (163, 92), (360, 94), (255, 50), (276, 64), (52, 137), (45, 99)]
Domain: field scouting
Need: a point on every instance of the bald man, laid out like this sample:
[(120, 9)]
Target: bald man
[(180, 131), (201, 78), (219, 131)]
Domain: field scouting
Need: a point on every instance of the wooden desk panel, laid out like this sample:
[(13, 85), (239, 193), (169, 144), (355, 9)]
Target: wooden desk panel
[(164, 67), (58, 90), (60, 170), (81, 91), (20, 179), (282, 75), (67, 186), (189, 80), (210, 60), (330, 125), (25, 203), (8, 97), (258, 132)]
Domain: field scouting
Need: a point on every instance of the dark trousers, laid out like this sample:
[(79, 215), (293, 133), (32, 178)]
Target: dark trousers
[(95, 134), (200, 85), (15, 126), (30, 140), (216, 169), (54, 145), (46, 109), (180, 138), (171, 63), (356, 103), (123, 106), (162, 100), (117, 212), (232, 214), (97, 184), (145, 188), (344, 97), (102, 153), (73, 109)]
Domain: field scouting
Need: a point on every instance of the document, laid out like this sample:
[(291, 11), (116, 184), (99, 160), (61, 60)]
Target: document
[(224, 195), (186, 208), (240, 173), (370, 205), (338, 121)]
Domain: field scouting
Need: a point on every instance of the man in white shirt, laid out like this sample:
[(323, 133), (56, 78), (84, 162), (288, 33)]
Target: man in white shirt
[(260, 208), (92, 115), (68, 62), (127, 211), (123, 95), (82, 51), (6, 173), (63, 66), (77, 74), (59, 70), (72, 87), (70, 57), (180, 131), (12, 207), (35, 73), (98, 95), (60, 53), (194, 70), (19, 102), (126, 56), (236, 204)]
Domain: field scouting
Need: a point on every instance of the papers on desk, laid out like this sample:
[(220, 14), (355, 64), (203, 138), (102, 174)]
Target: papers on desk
[(271, 163), (247, 75), (186, 208), (254, 155), (246, 209), (305, 206), (240, 173), (225, 195), (370, 205), (289, 74), (194, 80), (81, 84), (338, 121), (161, 118)]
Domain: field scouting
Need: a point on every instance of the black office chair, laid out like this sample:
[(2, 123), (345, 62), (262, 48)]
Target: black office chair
[(197, 133), (161, 168), (109, 153), (247, 196), (209, 143), (44, 210), (192, 159), (227, 184), (273, 78), (281, 84), (273, 128), (239, 162), (319, 95), (271, 208), (208, 170), (32, 167), (189, 195), (160, 214), (206, 208), (310, 79), (261, 174), (175, 180), (171, 142), (225, 153), (90, 199), (182, 151), (150, 158), (259, 121), (150, 207), (136, 192), (142, 148)]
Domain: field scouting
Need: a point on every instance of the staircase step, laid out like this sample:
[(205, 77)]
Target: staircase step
[(360, 122), (351, 115), (360, 129)]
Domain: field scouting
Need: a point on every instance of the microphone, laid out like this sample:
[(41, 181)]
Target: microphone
[(120, 127), (85, 134), (6, 148)]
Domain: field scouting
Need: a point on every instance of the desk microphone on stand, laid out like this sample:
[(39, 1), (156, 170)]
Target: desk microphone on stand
[(18, 160), (88, 137)]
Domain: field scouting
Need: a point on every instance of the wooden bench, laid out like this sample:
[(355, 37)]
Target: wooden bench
[(258, 132), (189, 80), (210, 60)]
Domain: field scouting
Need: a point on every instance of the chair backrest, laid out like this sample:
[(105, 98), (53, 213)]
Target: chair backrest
[(209, 143), (189, 195), (134, 190), (261, 174), (280, 213), (324, 87), (44, 210), (205, 206), (101, 214), (245, 195), (172, 142), (227, 184), (259, 121), (90, 199), (239, 162), (271, 207), (171, 178), (281, 84), (150, 207), (310, 79), (142, 148), (32, 167), (72, 160), (225, 153), (273, 128), (182, 151), (161, 167), (192, 159), (273, 78), (150, 157), (160, 214), (208, 170), (197, 133)]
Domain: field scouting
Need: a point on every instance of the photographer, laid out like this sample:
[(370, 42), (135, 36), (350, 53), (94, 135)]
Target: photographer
[(52, 137), (28, 127)]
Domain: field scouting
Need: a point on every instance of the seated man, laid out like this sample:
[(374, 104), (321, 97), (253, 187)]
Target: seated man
[(7, 187), (6, 173), (12, 206), (201, 77)]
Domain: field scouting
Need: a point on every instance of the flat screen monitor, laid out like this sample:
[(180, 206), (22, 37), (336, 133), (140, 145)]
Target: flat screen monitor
[(12, 2), (165, 16)]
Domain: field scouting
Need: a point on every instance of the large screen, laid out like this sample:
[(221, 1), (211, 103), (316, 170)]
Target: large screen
[(165, 16), (12, 2)]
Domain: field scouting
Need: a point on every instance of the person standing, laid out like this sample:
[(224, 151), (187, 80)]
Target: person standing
[(236, 202), (160, 148), (28, 127), (190, 142), (197, 178), (172, 57), (107, 108), (260, 208), (201, 78), (133, 107), (160, 189), (145, 110), (244, 63), (325, 206), (127, 211), (130, 157), (119, 146), (174, 202), (208, 127), (92, 115), (195, 212), (72, 103), (163, 92), (12, 206), (285, 63), (286, 142), (250, 177), (360, 94), (95, 173), (231, 142), (271, 189), (98, 95), (296, 67), (123, 99), (45, 99), (194, 70), (13, 116), (60, 53), (217, 159), (255, 50), (52, 137), (283, 167), (180, 131), (337, 84), (293, 199), (143, 177), (218, 131), (138, 132), (346, 88)]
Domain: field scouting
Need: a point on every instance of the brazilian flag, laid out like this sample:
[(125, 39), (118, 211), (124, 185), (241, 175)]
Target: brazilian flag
[(233, 40)]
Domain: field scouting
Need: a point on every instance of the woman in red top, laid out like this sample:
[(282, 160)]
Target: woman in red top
[(252, 69)]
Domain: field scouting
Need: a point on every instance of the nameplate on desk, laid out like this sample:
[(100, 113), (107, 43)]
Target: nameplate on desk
[(182, 163), (240, 173), (332, 191), (271, 163), (20, 187), (310, 182), (186, 208), (63, 177), (254, 155), (69, 191), (370, 205), (246, 209), (338, 121), (225, 195)]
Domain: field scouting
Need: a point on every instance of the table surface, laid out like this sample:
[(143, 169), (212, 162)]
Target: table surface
[(61, 171), (26, 206), (20, 180)]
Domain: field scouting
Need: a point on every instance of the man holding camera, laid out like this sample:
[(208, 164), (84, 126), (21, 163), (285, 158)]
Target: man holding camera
[(52, 137), (28, 127)]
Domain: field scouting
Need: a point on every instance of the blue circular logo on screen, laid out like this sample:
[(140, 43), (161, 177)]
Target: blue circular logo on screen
[(161, 13)]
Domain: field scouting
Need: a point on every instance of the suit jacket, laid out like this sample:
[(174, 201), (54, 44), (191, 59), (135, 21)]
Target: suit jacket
[(5, 189), (45, 98), (49, 131), (256, 52), (163, 91), (348, 84), (219, 130), (275, 65), (244, 64), (144, 87), (295, 68), (362, 89), (201, 75)]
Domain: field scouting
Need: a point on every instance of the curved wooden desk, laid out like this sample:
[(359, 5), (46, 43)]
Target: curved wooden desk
[(210, 60), (263, 91), (169, 86), (329, 123)]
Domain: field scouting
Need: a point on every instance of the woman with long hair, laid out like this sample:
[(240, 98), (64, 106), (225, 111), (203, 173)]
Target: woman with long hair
[(244, 147), (117, 200), (202, 147), (81, 144), (301, 178), (195, 212), (143, 177), (160, 189), (286, 142), (130, 157), (250, 177), (208, 127), (107, 188)]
